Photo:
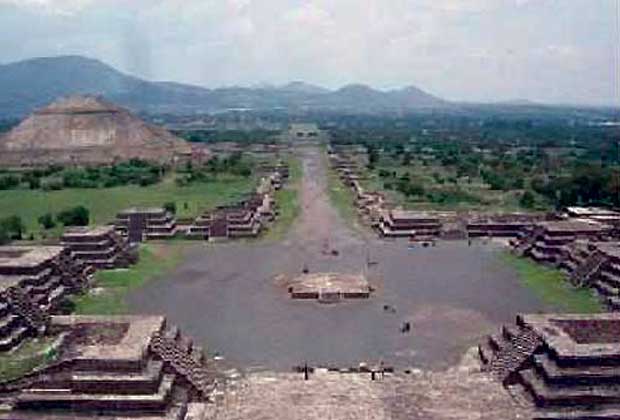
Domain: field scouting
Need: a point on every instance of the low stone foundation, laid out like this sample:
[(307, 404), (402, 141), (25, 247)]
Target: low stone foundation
[(329, 287)]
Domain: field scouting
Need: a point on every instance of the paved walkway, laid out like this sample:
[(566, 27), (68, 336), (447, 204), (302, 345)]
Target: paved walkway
[(461, 393)]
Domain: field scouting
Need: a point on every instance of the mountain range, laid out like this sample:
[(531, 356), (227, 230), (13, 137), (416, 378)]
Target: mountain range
[(31, 84)]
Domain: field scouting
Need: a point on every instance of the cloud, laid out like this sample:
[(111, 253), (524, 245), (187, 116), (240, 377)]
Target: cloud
[(460, 49), (60, 7)]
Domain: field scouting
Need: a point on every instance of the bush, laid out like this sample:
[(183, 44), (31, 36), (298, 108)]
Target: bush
[(13, 227), (527, 200), (9, 182), (47, 221), (171, 207), (4, 236), (76, 216)]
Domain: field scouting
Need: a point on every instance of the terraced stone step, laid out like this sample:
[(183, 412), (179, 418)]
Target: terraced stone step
[(132, 383), (4, 308), (571, 376), (12, 340), (496, 342), (610, 277), (7, 323), (601, 414), (548, 396), (606, 289), (172, 332), (198, 354), (49, 399), (613, 302), (486, 353)]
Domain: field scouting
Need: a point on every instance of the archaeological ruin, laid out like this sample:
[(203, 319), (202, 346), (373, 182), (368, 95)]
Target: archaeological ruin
[(101, 247), (35, 281), (329, 287), (566, 364), (248, 217), (138, 367), (87, 130), (143, 224)]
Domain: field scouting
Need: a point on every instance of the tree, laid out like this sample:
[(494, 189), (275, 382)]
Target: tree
[(4, 236), (527, 200), (407, 158), (13, 227), (171, 207), (76, 216), (47, 221)]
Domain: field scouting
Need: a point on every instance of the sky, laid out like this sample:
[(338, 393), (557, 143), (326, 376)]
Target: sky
[(551, 51)]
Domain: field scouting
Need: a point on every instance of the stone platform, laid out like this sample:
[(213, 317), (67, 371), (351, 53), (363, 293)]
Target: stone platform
[(34, 281), (568, 364), (142, 224), (101, 246), (113, 367), (329, 287)]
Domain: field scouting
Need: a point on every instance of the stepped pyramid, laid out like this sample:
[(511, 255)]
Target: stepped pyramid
[(88, 130)]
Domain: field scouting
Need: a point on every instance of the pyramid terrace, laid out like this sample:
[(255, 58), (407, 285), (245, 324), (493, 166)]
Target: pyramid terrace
[(401, 223), (34, 281), (102, 247), (567, 364), (140, 224), (137, 367)]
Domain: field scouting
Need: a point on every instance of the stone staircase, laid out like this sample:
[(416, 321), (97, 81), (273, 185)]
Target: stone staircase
[(187, 360), (585, 272), (505, 355), (74, 273), (21, 305), (525, 244)]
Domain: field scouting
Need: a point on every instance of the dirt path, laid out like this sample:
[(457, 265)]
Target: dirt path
[(320, 227)]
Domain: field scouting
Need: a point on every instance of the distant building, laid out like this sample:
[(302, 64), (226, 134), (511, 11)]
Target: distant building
[(304, 131)]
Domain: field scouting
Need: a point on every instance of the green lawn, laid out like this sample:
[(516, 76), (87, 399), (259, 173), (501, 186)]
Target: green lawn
[(32, 354), (343, 200), (552, 287), (106, 202), (111, 287), (288, 203)]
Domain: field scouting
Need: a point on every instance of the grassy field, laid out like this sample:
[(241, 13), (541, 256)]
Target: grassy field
[(288, 203), (342, 199), (34, 353), (106, 202), (111, 287), (551, 286)]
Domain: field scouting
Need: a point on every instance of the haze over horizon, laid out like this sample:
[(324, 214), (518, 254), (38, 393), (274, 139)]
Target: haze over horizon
[(547, 51)]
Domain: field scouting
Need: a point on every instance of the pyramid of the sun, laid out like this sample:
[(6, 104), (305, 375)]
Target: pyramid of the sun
[(88, 130)]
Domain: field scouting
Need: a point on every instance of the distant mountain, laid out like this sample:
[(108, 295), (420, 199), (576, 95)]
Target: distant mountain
[(31, 84), (303, 87)]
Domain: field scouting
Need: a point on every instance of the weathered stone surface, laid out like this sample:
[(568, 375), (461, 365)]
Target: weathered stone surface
[(462, 393), (87, 130)]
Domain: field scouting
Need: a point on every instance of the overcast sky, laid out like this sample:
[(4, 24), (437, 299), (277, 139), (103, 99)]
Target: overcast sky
[(473, 50)]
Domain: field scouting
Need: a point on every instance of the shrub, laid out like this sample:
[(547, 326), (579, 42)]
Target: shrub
[(13, 227), (9, 182), (527, 200), (4, 236), (170, 207), (76, 216), (47, 221)]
